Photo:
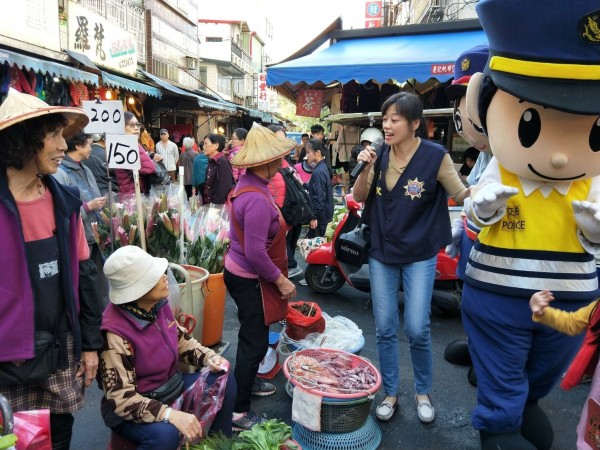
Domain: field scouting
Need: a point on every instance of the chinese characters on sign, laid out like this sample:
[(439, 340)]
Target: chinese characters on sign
[(103, 42), (442, 69), (263, 92), (373, 12), (308, 103)]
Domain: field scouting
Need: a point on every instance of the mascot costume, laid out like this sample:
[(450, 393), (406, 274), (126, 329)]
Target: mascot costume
[(464, 232), (537, 204)]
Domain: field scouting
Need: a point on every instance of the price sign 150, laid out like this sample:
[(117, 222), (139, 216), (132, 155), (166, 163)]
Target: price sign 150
[(105, 116), (123, 151)]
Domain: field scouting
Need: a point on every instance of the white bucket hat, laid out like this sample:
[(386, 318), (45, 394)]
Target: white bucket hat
[(131, 273)]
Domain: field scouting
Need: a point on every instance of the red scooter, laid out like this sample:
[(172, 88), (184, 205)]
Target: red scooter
[(325, 274)]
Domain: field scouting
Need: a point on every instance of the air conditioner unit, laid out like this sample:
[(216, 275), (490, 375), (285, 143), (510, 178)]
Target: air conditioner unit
[(191, 62)]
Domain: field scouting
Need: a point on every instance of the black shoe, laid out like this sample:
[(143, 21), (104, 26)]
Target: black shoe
[(472, 377), (457, 352), (261, 388)]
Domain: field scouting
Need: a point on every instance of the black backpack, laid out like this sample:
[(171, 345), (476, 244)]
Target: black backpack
[(296, 209)]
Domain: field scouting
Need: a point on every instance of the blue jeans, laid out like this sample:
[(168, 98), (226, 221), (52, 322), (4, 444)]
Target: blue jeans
[(417, 279), (165, 436)]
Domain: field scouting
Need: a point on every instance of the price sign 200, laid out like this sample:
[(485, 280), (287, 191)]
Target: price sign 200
[(123, 151), (105, 117)]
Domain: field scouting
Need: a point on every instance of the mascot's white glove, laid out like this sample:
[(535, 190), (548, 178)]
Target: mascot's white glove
[(458, 230), (489, 201), (587, 217)]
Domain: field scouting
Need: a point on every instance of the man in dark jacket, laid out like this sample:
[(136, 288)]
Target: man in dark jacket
[(97, 164), (320, 189)]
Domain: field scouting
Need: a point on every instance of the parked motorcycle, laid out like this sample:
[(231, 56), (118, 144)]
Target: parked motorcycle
[(325, 274)]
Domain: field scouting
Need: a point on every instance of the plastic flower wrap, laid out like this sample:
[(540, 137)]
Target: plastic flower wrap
[(208, 240), (123, 221), (163, 221)]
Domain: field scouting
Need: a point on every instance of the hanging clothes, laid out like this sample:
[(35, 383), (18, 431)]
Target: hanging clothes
[(387, 90), (368, 97), (349, 101)]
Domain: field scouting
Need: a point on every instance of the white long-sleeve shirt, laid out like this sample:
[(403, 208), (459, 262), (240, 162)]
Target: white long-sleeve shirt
[(170, 154)]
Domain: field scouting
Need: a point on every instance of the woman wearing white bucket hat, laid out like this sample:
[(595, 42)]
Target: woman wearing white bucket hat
[(50, 319), (143, 344)]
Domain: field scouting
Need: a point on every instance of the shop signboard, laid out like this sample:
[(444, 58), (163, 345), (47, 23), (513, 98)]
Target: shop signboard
[(33, 21), (263, 92), (373, 13), (103, 42)]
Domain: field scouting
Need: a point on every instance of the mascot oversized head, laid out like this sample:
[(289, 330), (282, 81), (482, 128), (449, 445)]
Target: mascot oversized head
[(538, 204)]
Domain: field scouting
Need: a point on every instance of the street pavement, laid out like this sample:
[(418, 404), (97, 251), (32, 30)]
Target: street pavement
[(453, 397)]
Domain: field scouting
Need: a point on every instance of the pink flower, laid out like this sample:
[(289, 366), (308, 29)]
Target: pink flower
[(123, 236), (175, 223), (166, 221)]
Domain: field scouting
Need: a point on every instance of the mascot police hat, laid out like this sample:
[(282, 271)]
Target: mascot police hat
[(468, 63), (554, 59)]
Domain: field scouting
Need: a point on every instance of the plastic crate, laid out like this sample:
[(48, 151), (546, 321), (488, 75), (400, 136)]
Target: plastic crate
[(367, 437), (340, 416), (341, 394)]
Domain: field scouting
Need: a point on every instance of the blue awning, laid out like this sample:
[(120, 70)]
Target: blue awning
[(203, 102), (418, 56), (53, 68), (135, 86)]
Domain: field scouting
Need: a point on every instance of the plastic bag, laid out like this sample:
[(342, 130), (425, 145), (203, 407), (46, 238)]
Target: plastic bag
[(340, 334), (299, 325), (308, 245), (202, 401), (32, 428)]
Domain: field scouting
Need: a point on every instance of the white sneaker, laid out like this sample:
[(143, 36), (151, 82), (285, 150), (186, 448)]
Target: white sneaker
[(302, 282), (294, 272)]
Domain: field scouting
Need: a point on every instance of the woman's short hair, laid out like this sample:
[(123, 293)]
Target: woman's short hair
[(188, 142), (217, 139), (128, 115), (23, 140), (406, 104), (78, 139), (316, 144), (241, 133)]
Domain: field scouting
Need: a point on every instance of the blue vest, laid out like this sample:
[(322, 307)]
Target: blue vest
[(411, 222)]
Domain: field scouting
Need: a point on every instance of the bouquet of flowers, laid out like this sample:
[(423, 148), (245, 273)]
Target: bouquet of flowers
[(207, 236), (123, 222), (163, 220)]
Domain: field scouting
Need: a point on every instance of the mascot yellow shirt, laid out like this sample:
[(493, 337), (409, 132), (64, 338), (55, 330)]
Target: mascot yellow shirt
[(534, 246)]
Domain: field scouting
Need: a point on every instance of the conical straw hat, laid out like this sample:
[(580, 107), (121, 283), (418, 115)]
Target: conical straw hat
[(19, 107), (262, 146)]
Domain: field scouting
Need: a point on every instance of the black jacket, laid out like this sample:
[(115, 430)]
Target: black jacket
[(320, 191)]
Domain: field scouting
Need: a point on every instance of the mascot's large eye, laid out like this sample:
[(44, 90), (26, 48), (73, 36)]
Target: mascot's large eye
[(458, 121), (595, 136), (529, 127)]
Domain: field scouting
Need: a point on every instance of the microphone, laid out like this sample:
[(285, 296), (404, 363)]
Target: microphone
[(375, 145)]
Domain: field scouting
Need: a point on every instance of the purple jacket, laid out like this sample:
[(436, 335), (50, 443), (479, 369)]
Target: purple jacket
[(258, 218), (16, 294), (154, 345)]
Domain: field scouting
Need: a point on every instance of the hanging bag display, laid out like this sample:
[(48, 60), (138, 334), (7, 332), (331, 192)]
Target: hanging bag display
[(352, 247)]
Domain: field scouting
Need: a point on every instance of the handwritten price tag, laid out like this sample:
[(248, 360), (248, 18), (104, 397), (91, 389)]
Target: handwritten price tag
[(105, 116), (123, 151)]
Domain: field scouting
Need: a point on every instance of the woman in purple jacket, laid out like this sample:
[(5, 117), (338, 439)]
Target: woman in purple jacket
[(256, 264), (50, 311), (143, 344)]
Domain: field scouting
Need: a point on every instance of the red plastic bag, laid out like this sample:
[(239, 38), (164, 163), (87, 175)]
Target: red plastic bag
[(33, 430), (299, 325), (202, 401)]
